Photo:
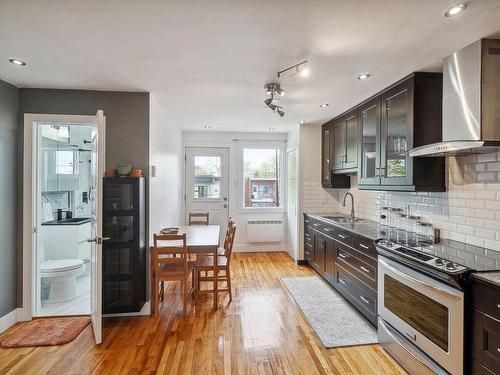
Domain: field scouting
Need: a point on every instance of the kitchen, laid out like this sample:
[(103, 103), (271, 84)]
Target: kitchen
[(349, 151), (420, 261)]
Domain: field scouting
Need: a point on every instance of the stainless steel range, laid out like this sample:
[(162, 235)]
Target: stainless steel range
[(421, 302)]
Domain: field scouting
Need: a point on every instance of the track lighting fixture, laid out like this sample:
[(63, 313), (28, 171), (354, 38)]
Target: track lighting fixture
[(274, 89)]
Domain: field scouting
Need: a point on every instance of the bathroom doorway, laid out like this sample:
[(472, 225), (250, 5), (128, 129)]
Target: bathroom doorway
[(65, 175)]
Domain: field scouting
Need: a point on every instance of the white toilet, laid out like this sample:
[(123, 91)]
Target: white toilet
[(61, 275)]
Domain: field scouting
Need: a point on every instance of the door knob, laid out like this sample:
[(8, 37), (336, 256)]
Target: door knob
[(225, 199), (225, 205), (98, 240)]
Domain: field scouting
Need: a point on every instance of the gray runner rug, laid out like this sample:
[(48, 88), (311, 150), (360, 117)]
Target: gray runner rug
[(334, 321)]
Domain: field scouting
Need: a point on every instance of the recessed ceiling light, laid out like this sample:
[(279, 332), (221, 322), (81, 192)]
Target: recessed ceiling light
[(207, 127), (455, 9), (302, 121), (363, 76), (304, 72), (17, 62), (324, 105), (271, 129)]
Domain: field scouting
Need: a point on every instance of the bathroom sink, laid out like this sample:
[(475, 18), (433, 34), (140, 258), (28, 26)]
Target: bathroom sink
[(72, 221), (345, 220)]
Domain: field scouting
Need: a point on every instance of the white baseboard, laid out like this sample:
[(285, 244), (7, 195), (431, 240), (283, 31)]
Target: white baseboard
[(257, 248), (9, 320), (146, 310)]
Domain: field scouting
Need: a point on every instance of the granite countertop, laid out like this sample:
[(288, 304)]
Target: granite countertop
[(490, 277), (485, 262), (366, 228)]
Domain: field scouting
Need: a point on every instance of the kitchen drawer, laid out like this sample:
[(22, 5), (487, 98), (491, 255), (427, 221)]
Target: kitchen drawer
[(486, 298), (308, 236), (350, 259), (344, 236), (361, 296), (366, 246), (486, 341)]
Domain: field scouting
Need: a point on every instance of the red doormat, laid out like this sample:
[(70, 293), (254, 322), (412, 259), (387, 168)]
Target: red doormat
[(47, 332)]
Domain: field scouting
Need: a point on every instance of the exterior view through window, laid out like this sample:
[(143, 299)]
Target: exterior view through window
[(207, 175), (261, 168)]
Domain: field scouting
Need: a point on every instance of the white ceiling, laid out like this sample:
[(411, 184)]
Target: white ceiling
[(207, 61)]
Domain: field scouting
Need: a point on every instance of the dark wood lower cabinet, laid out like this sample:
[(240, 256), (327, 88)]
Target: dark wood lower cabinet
[(348, 262), (485, 329)]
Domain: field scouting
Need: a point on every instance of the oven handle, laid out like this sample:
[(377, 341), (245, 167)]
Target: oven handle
[(417, 281)]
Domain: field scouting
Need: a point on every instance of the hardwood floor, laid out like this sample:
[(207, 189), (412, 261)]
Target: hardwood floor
[(261, 332)]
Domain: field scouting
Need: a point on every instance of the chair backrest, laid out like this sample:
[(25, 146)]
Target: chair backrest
[(169, 249), (230, 223), (198, 218), (228, 247)]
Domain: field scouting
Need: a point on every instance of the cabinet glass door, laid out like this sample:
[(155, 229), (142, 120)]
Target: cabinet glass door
[(369, 118), (325, 168), (351, 139), (396, 120), (339, 148)]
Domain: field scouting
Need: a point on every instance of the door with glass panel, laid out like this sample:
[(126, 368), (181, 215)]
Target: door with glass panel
[(397, 118), (369, 163), (207, 180)]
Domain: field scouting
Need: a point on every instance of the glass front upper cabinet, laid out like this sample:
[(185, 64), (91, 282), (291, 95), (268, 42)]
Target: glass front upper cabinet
[(394, 168), (369, 117)]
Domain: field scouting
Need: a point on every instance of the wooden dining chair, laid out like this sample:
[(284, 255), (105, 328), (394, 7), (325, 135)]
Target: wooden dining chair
[(205, 265), (169, 262), (198, 218)]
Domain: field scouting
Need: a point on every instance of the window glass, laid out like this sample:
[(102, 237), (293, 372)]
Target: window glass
[(64, 162), (207, 177), (261, 179)]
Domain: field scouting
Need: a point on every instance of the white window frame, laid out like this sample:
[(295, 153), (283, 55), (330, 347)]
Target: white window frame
[(281, 145)]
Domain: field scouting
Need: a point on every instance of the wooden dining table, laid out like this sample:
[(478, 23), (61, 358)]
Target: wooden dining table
[(203, 240)]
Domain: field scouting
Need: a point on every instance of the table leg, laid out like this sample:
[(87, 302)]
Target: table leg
[(216, 283)]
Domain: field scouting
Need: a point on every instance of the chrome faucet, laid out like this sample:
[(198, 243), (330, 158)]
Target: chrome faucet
[(352, 204)]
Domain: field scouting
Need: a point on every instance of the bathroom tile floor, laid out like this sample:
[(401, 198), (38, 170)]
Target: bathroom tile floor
[(79, 306)]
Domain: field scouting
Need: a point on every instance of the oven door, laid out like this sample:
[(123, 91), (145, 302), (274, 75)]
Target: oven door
[(427, 312)]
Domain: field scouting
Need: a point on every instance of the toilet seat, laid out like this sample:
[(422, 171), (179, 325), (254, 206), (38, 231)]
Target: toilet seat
[(60, 265)]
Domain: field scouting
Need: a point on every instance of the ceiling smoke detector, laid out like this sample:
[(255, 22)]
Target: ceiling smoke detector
[(273, 89)]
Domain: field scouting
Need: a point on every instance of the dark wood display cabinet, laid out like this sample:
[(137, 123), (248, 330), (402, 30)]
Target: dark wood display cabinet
[(329, 179), (373, 138), (124, 254), (347, 261)]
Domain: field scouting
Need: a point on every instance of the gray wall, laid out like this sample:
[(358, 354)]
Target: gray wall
[(8, 196), (127, 118), (127, 129)]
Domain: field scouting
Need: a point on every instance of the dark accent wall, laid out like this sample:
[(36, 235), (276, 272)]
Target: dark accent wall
[(8, 196), (127, 128)]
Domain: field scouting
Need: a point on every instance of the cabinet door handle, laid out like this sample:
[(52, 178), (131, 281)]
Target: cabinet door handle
[(307, 235), (316, 224), (498, 305), (498, 350), (342, 236), (342, 256), (326, 229), (363, 268), (365, 300), (364, 246), (342, 281)]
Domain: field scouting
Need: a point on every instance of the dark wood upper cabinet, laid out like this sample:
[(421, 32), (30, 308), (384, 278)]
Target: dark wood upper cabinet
[(369, 127), (373, 139), (326, 173), (345, 143)]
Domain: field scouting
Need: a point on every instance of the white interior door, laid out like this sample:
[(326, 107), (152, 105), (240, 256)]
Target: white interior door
[(97, 174), (207, 183), (292, 202)]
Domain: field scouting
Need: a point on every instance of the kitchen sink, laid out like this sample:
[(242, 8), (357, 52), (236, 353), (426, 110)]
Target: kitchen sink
[(72, 221), (345, 220)]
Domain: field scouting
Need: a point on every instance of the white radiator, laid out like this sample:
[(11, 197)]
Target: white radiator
[(264, 230)]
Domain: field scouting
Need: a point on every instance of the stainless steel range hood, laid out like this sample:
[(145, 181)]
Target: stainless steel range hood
[(471, 102)]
